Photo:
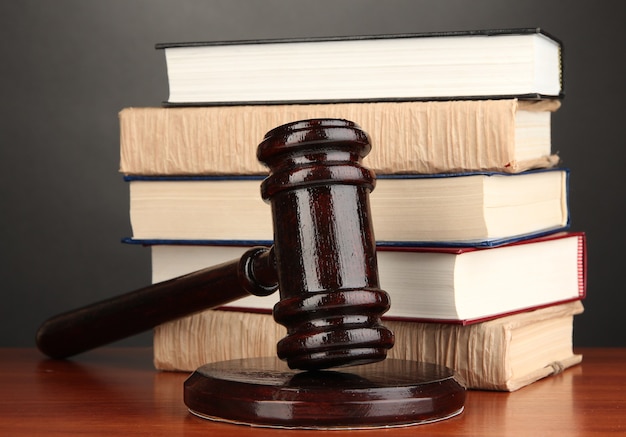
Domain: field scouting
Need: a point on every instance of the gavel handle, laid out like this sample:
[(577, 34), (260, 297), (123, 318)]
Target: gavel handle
[(113, 319)]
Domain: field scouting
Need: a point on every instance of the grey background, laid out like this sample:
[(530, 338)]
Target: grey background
[(68, 66)]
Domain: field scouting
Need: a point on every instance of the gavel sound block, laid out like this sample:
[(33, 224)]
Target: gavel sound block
[(331, 370)]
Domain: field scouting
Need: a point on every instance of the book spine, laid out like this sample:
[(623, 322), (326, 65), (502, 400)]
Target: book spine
[(582, 265)]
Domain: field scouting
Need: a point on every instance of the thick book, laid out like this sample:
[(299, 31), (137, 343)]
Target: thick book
[(444, 65), (436, 284), (469, 209), (503, 354), (507, 135)]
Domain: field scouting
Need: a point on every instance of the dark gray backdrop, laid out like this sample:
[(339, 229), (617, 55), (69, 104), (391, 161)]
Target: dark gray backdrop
[(68, 66)]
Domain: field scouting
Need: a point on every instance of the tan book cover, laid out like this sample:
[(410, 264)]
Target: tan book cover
[(502, 354), (506, 135)]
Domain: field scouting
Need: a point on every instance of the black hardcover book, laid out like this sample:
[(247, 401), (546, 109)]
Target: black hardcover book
[(501, 63)]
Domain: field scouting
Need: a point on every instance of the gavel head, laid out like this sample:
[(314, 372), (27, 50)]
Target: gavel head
[(324, 245)]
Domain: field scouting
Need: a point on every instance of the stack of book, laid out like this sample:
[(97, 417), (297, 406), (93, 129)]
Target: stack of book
[(470, 209)]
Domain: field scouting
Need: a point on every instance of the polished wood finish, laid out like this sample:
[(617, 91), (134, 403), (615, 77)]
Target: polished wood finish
[(121, 316), (330, 298), (117, 392), (265, 392), (324, 258)]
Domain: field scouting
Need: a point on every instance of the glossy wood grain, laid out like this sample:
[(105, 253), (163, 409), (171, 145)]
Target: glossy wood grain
[(104, 322), (116, 392), (330, 297), (323, 258), (265, 392)]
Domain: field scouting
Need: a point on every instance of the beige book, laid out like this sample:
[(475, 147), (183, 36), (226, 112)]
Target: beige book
[(471, 209), (502, 354), (507, 135)]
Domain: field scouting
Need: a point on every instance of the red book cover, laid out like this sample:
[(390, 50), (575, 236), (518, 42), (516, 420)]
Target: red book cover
[(483, 307)]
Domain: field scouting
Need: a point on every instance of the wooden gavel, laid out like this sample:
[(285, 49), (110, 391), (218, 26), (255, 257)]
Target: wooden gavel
[(323, 261)]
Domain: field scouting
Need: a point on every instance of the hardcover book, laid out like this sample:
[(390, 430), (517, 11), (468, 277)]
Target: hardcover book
[(426, 66), (470, 209), (507, 135), (503, 354), (452, 285)]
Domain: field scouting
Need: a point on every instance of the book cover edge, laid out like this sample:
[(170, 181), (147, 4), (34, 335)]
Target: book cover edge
[(483, 244), (449, 33), (525, 96), (461, 322), (249, 177)]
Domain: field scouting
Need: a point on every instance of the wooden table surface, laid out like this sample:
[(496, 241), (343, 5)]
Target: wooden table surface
[(116, 391)]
